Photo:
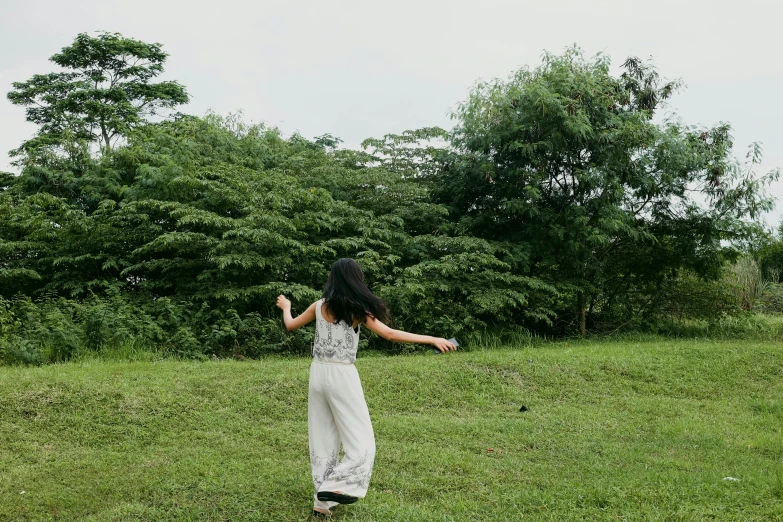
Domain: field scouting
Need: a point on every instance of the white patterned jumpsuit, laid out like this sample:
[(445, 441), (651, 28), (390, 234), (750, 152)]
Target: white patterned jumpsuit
[(337, 412)]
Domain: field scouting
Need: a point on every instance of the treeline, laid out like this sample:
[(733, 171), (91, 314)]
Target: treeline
[(556, 206)]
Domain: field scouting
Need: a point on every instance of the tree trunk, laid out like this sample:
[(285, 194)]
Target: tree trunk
[(580, 297), (106, 139)]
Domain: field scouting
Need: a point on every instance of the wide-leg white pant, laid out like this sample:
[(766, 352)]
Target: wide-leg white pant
[(337, 412)]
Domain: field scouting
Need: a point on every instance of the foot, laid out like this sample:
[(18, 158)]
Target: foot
[(336, 496), (321, 513)]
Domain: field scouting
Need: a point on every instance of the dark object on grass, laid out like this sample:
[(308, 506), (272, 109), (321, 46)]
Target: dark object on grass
[(319, 514), (523, 408), (331, 496)]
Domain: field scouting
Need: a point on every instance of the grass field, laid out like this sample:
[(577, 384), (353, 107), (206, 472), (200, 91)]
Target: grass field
[(647, 430)]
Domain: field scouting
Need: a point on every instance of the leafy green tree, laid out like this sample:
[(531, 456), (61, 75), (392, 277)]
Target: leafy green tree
[(565, 166), (209, 212), (6, 179), (444, 276), (106, 90), (769, 253)]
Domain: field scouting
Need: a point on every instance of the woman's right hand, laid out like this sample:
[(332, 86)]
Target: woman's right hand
[(443, 345), (283, 303)]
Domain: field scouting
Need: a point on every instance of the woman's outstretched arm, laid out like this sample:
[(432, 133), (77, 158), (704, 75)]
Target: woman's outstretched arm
[(290, 323), (398, 336)]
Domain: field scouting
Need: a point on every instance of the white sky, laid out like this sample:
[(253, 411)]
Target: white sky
[(359, 69)]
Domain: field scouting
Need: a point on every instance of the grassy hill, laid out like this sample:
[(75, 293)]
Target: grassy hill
[(648, 430)]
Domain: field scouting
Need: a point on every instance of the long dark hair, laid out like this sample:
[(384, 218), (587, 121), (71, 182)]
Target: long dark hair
[(347, 296)]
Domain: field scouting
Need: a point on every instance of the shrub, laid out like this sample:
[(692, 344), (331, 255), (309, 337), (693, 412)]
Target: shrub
[(771, 300)]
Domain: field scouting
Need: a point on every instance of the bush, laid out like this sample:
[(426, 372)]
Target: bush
[(58, 329), (691, 297), (116, 321), (771, 299), (749, 326)]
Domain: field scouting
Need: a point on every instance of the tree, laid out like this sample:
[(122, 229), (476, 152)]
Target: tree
[(106, 91), (565, 166)]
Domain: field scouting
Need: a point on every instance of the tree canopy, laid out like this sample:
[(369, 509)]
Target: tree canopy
[(556, 205), (565, 167), (104, 92)]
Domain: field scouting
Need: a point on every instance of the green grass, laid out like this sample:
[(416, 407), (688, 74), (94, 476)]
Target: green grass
[(628, 430)]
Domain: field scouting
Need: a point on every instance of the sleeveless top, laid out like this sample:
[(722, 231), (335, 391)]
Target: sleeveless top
[(334, 343)]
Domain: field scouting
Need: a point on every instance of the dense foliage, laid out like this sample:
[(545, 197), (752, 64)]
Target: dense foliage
[(565, 167), (200, 222), (554, 206)]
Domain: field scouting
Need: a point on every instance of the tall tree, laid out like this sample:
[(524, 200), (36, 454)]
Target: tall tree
[(106, 90), (565, 164)]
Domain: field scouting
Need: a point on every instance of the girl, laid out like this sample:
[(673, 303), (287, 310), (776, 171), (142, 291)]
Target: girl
[(336, 410)]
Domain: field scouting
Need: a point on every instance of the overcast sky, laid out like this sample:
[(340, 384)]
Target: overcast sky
[(359, 69)]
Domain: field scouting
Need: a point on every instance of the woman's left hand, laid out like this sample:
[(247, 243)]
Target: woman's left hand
[(443, 345)]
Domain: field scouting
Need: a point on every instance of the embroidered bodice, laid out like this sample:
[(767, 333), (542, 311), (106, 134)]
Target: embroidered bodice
[(334, 343)]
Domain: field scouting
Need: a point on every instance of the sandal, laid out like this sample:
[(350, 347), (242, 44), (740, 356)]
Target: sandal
[(333, 496)]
